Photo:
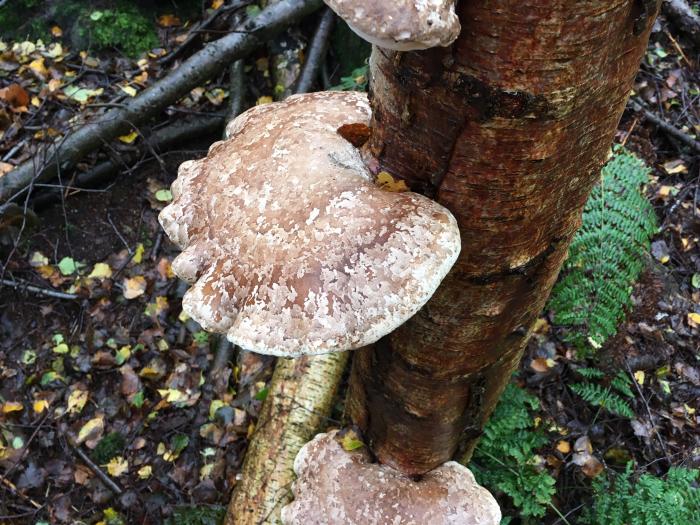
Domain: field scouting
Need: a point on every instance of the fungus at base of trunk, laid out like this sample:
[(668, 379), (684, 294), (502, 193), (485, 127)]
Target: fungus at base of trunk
[(336, 487)]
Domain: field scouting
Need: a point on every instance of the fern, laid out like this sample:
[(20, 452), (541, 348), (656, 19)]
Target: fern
[(648, 501), (503, 461), (607, 397), (606, 255)]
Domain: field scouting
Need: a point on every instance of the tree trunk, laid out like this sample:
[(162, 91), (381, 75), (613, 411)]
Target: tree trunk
[(508, 128), (298, 402)]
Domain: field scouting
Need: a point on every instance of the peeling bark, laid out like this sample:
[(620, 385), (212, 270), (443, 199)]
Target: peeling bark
[(508, 128), (298, 402)]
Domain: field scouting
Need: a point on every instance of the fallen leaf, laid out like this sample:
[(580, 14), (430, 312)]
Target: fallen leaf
[(216, 4), (263, 100), (38, 67), (117, 466), (164, 195), (67, 266), (91, 430), (168, 21), (356, 134), (138, 253), (15, 96), (5, 167), (12, 406), (564, 447), (131, 91), (56, 31), (77, 400), (694, 319), (81, 95), (128, 139), (639, 376), (145, 472), (387, 182), (134, 287), (40, 405), (100, 271), (351, 441), (38, 259), (675, 166)]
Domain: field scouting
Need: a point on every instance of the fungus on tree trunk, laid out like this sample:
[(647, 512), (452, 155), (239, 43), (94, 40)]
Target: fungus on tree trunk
[(294, 250)]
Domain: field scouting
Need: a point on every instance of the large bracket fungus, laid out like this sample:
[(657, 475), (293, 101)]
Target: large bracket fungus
[(401, 25), (337, 487), (292, 248)]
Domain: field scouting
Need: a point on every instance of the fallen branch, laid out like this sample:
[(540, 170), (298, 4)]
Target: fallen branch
[(21, 285), (317, 52), (667, 128), (104, 478), (684, 18), (298, 402), (63, 155), (160, 141)]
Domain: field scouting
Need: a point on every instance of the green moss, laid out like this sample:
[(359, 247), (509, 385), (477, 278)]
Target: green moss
[(18, 20), (109, 446), (197, 515), (124, 27)]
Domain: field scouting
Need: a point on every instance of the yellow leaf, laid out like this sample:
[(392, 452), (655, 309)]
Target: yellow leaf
[(263, 100), (168, 21), (639, 376), (117, 466), (38, 259), (100, 271), (206, 471), (128, 90), (145, 472), (91, 430), (38, 67), (351, 441), (564, 447), (40, 405), (77, 400), (216, 4), (388, 183), (215, 405), (56, 31), (161, 449), (172, 395), (138, 255), (128, 139), (36, 102), (134, 287), (12, 406), (694, 319)]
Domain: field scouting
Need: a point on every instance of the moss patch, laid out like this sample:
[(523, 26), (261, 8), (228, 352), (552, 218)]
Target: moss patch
[(124, 26), (109, 446), (197, 515)]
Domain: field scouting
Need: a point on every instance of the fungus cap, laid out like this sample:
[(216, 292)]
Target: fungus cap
[(401, 25), (337, 487), (292, 248)]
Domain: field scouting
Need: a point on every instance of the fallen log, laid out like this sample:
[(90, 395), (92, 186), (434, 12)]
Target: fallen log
[(299, 397), (679, 13), (63, 155)]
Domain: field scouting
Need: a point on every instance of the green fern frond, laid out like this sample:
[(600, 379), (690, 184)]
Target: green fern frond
[(606, 256), (591, 373), (503, 460), (649, 500), (603, 397)]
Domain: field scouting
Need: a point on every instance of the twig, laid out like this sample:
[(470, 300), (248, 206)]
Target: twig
[(104, 478), (317, 52), (14, 490), (17, 285), (671, 130), (197, 69)]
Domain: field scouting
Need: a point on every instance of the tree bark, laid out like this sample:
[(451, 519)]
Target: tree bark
[(298, 402), (66, 153), (508, 128)]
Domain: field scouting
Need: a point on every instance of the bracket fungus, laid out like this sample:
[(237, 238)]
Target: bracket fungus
[(401, 25), (292, 248), (339, 487)]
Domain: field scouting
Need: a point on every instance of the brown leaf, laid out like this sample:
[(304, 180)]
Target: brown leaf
[(15, 96), (356, 134)]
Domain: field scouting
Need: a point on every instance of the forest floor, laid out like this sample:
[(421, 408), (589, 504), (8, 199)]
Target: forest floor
[(109, 405)]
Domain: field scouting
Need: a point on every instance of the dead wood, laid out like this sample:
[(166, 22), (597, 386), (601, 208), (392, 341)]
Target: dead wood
[(679, 13), (63, 155)]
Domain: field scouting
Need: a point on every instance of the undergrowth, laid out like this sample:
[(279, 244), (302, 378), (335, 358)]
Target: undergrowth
[(503, 461), (611, 396), (622, 500), (124, 27), (607, 254)]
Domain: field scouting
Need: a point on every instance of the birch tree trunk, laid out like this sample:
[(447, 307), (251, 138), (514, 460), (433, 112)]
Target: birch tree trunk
[(508, 128)]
